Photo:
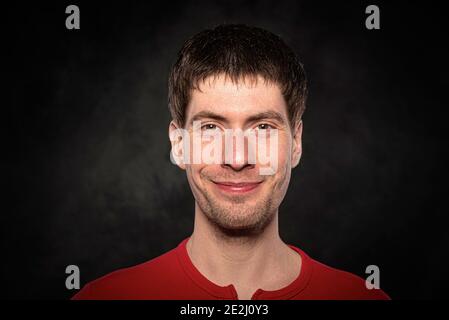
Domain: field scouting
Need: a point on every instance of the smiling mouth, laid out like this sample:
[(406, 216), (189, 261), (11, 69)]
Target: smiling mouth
[(237, 187)]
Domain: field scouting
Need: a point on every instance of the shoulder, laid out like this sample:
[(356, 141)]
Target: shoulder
[(134, 282), (330, 283)]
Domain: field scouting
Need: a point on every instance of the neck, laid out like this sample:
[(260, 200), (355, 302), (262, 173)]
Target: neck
[(242, 260)]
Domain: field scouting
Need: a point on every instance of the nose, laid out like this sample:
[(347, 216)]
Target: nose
[(236, 156), (238, 166)]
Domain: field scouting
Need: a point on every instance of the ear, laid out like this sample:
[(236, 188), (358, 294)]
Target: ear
[(177, 136), (297, 143)]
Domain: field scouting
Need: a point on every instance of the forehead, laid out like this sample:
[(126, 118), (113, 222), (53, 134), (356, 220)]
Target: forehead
[(236, 100)]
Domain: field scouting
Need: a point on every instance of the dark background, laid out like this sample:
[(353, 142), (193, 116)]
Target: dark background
[(89, 177)]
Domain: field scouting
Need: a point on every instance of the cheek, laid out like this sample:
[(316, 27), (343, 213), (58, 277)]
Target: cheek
[(193, 176), (198, 175), (284, 152), (281, 184), (282, 176), (194, 171)]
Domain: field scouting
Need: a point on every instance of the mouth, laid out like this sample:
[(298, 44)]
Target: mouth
[(237, 187)]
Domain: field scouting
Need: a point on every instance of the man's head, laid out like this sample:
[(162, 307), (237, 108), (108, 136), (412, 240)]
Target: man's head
[(240, 78)]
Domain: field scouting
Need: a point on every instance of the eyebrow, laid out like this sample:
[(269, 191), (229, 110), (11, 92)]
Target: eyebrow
[(207, 114), (274, 115)]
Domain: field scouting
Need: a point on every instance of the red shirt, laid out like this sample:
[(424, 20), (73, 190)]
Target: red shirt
[(172, 276)]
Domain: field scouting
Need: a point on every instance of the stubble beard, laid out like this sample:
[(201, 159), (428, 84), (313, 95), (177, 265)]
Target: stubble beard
[(235, 218)]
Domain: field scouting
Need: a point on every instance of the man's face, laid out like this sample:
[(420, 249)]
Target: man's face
[(235, 196)]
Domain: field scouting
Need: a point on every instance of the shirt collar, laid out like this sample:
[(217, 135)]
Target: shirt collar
[(229, 292)]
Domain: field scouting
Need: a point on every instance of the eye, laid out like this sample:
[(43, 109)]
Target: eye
[(209, 126), (264, 126)]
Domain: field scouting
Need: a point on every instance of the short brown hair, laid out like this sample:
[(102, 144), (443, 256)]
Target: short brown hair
[(238, 51)]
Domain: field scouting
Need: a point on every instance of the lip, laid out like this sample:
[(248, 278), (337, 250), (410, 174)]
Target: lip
[(237, 187)]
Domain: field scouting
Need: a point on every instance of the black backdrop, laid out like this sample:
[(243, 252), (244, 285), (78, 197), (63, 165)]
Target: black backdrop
[(89, 177)]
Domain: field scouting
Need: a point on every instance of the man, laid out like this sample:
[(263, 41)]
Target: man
[(239, 79)]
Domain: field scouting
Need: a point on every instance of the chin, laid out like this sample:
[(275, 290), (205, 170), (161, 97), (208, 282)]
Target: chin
[(242, 230), (248, 220)]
